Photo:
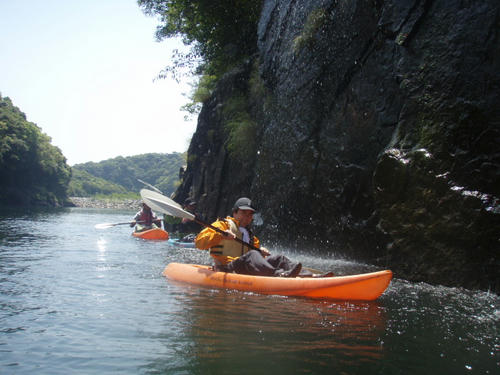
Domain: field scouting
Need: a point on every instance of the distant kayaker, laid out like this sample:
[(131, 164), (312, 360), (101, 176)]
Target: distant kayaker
[(232, 256), (145, 219)]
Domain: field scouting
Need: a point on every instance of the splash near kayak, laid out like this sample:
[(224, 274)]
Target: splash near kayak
[(152, 234), (362, 287)]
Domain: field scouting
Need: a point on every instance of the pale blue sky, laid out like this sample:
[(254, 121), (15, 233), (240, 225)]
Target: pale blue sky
[(83, 72)]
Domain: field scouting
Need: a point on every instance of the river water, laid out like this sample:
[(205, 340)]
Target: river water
[(77, 300)]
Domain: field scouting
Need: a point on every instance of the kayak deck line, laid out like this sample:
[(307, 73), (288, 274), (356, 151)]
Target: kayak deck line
[(152, 234), (364, 287)]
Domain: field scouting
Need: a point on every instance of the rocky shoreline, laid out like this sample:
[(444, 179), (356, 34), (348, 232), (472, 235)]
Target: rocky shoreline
[(89, 202)]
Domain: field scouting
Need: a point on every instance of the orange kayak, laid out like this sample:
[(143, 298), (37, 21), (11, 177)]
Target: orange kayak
[(363, 287), (152, 234)]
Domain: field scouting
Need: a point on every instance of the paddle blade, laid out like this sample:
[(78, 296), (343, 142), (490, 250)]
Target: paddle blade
[(165, 205), (109, 225), (104, 225)]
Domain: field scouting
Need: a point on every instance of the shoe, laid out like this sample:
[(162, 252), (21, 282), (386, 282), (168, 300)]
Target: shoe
[(279, 272), (293, 272)]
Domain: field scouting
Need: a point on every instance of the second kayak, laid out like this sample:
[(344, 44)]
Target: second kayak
[(152, 234)]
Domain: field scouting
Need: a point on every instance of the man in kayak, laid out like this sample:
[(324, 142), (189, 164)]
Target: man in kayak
[(145, 219), (232, 256)]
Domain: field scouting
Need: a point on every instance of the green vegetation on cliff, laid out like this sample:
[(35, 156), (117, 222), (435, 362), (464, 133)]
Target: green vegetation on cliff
[(120, 175), (223, 36), (221, 32), (32, 170)]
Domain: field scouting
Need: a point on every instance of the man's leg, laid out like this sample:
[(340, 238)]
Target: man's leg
[(252, 263), (281, 262)]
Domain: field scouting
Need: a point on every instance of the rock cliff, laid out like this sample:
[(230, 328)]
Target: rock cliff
[(368, 129)]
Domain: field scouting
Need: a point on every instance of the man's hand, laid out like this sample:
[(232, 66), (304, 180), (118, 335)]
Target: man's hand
[(228, 235), (132, 224), (264, 252)]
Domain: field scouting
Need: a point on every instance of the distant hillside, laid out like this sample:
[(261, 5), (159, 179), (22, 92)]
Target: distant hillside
[(33, 172), (120, 175), (83, 184)]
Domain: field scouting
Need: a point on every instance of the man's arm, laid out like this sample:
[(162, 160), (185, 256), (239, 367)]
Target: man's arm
[(208, 238)]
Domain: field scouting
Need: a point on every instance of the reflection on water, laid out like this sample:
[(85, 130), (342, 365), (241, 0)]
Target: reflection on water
[(277, 333), (101, 245), (273, 334), (95, 302), (101, 256)]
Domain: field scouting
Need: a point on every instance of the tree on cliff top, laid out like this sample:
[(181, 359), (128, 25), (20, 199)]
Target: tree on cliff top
[(220, 32)]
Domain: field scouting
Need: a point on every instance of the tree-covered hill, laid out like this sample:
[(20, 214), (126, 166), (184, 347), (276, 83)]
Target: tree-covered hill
[(83, 184), (32, 170), (121, 174)]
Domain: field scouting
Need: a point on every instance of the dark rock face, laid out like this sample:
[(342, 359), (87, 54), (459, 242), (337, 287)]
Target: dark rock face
[(213, 178), (439, 231), (378, 135)]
